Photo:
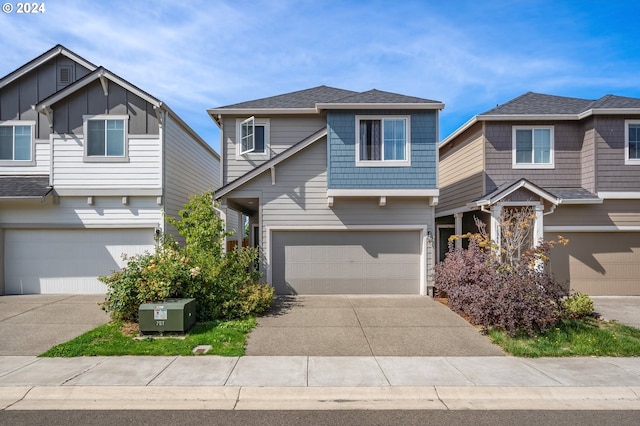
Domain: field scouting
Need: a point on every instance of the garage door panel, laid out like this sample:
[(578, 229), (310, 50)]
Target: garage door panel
[(68, 261), (330, 262), (599, 263)]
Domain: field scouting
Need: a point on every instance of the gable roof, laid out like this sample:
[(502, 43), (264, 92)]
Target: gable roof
[(24, 187), (315, 99), (45, 57), (289, 152), (537, 106), (554, 196)]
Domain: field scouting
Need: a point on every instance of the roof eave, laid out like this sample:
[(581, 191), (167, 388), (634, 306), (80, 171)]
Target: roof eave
[(412, 105), (90, 78), (260, 111), (47, 56)]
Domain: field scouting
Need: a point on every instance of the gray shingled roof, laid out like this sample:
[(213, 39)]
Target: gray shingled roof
[(572, 193), (327, 95), (24, 186), (539, 104), (300, 99), (375, 96)]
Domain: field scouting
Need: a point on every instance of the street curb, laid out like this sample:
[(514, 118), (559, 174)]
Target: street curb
[(318, 398)]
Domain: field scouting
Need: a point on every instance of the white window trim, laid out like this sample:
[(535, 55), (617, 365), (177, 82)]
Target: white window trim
[(105, 158), (265, 155), (384, 163), (629, 161), (550, 165), (32, 161)]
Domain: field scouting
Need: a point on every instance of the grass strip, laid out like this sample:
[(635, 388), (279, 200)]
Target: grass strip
[(227, 338), (584, 337)]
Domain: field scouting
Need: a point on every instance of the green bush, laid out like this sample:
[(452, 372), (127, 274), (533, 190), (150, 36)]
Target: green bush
[(224, 284), (578, 305)]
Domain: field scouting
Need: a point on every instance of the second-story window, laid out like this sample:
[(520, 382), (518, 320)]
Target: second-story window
[(532, 147), (253, 136), (15, 142), (632, 142), (105, 138), (382, 141)]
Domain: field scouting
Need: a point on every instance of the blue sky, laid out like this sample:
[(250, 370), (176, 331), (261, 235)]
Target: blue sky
[(471, 55)]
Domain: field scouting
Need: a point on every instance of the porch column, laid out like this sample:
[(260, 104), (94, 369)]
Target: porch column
[(538, 226), (458, 225), (494, 230), (240, 230)]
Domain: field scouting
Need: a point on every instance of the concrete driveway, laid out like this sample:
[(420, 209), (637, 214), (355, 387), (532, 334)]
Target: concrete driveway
[(365, 326), (624, 309), (31, 324)]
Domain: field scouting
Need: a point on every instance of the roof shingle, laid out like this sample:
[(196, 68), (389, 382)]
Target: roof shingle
[(24, 186)]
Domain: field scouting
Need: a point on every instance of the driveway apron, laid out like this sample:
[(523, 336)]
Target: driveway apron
[(354, 325)]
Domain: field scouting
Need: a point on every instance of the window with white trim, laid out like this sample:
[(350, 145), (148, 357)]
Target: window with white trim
[(253, 136), (106, 138), (16, 142), (632, 142), (383, 141), (532, 147)]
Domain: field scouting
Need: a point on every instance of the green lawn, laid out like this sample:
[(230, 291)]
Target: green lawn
[(587, 337), (227, 338)]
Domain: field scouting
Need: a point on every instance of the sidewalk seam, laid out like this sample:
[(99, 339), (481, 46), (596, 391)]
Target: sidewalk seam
[(82, 372), (233, 367), (162, 370), (20, 400), (360, 325), (435, 388)]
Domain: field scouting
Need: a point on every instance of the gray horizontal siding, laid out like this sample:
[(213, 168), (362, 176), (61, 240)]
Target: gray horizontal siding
[(568, 139), (285, 131), (609, 213), (612, 173)]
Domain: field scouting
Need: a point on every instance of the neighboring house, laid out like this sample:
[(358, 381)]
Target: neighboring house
[(89, 167), (338, 188), (575, 161)]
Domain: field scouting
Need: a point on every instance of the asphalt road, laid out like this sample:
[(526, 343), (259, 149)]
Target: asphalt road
[(334, 418)]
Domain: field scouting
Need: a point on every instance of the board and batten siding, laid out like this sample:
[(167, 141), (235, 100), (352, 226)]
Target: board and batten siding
[(74, 212), (190, 167), (142, 171), (18, 97), (299, 200), (284, 132), (461, 172)]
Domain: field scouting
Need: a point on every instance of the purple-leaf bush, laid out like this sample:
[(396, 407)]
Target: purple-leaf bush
[(518, 298)]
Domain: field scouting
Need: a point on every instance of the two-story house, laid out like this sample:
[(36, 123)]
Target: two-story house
[(576, 162), (90, 166), (338, 188)]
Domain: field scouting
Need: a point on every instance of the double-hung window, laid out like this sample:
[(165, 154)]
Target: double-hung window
[(16, 141), (632, 142), (253, 136), (532, 147), (382, 141), (106, 138)]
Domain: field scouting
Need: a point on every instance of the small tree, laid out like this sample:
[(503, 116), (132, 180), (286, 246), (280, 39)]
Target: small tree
[(224, 284)]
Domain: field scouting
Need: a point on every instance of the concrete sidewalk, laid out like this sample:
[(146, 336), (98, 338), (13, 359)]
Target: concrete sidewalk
[(309, 382)]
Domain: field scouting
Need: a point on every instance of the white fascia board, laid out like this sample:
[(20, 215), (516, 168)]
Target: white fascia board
[(619, 195), (458, 131), (260, 111), (108, 192), (403, 106), (451, 212), (271, 163), (529, 117), (565, 201), (382, 192), (30, 66), (85, 81), (605, 228), (610, 111)]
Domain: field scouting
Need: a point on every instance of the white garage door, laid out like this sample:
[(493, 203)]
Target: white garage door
[(346, 262), (67, 260)]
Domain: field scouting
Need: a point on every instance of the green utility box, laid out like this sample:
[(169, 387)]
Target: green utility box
[(169, 316)]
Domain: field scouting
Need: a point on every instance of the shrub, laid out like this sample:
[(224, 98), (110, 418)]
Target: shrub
[(519, 298), (225, 285), (578, 305)]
